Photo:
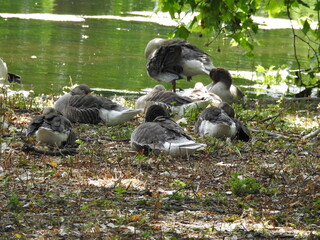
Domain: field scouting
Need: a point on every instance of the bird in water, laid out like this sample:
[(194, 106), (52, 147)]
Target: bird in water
[(169, 59), (160, 134), (5, 75), (81, 106), (52, 129)]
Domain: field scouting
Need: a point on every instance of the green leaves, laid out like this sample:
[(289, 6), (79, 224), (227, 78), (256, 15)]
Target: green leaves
[(228, 17), (273, 7), (233, 20), (179, 32)]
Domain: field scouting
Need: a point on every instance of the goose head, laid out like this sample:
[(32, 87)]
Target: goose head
[(82, 89), (221, 75), (155, 111), (152, 46), (227, 108)]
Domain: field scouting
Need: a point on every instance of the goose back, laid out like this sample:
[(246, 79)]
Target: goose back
[(52, 129), (161, 134), (215, 122)]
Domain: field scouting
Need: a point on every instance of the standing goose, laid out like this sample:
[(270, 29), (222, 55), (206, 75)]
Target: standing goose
[(82, 107), (4, 75), (161, 134), (177, 103), (52, 129), (223, 87), (219, 122), (168, 59)]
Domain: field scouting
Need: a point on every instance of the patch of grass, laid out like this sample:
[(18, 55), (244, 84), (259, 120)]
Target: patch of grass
[(243, 186), (312, 213)]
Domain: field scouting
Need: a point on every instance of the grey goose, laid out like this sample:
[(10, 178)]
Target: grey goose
[(160, 134), (52, 129), (81, 106), (223, 87), (176, 103), (219, 122), (169, 59)]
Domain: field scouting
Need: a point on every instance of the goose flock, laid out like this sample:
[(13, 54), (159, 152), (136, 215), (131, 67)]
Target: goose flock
[(167, 61)]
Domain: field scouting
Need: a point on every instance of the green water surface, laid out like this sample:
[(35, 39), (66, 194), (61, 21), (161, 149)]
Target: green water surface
[(105, 53)]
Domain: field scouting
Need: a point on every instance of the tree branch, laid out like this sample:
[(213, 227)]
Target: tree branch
[(312, 134)]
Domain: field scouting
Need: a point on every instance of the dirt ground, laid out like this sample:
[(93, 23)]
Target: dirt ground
[(268, 188)]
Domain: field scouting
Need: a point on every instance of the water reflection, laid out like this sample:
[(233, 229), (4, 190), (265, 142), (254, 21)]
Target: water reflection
[(107, 53), (76, 7)]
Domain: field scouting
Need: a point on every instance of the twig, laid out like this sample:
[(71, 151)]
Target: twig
[(312, 134), (178, 190), (294, 44), (250, 119), (105, 138), (273, 134), (61, 152), (271, 117)]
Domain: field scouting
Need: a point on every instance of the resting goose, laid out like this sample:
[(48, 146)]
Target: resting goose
[(4, 75), (223, 87), (168, 59), (200, 92), (52, 129), (219, 122), (161, 134), (177, 103), (82, 107)]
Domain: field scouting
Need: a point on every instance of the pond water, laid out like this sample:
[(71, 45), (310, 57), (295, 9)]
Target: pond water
[(94, 42)]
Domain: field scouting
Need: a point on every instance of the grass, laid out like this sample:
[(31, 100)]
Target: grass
[(268, 187)]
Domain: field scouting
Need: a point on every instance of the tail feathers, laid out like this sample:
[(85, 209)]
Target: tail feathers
[(194, 105), (195, 146), (112, 117), (183, 149)]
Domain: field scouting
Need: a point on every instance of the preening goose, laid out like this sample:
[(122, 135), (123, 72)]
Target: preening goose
[(79, 106), (219, 122), (160, 134), (52, 129), (168, 59), (223, 87), (4, 75), (176, 103)]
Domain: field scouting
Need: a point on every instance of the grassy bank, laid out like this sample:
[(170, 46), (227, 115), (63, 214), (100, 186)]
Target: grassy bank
[(267, 188)]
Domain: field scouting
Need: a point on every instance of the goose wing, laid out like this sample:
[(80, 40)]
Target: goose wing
[(91, 101), (169, 98), (57, 123), (166, 59), (86, 108), (171, 129), (34, 125), (243, 132), (155, 134)]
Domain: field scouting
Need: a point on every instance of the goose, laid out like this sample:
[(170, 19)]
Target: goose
[(168, 59), (52, 129), (4, 75), (223, 87), (160, 134), (82, 107), (176, 103), (219, 122)]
